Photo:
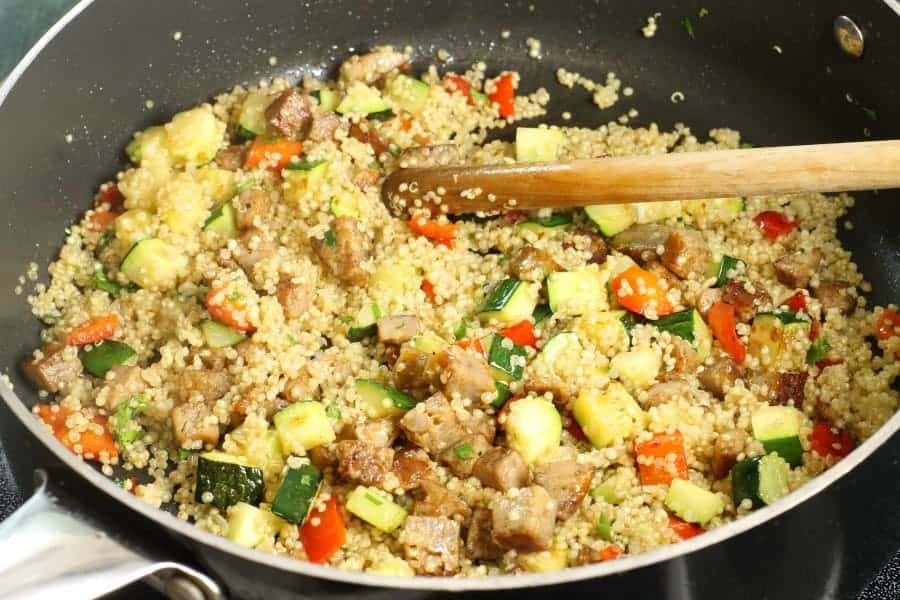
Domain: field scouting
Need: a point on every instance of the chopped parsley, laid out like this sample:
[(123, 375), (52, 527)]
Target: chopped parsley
[(688, 26), (604, 528), (330, 239), (870, 113), (464, 451), (703, 12), (303, 165), (235, 296), (333, 411), (818, 351), (125, 427), (104, 283)]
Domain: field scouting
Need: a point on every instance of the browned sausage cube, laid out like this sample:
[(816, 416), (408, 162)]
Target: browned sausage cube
[(343, 250), (795, 270), (251, 208), (790, 388), (480, 544), (363, 463), (835, 294), (322, 456), (668, 279), (366, 178), (685, 358), (193, 424), (720, 376), (747, 298), (461, 456), (252, 247), (432, 425), (294, 298), (325, 125), (686, 253), (231, 158), (397, 329), (371, 66), (483, 424), (466, 374), (524, 521), (204, 384), (57, 367), (365, 132), (725, 452), (531, 264), (661, 393), (561, 393), (567, 482), (411, 373), (643, 241), (435, 500), (431, 545), (289, 114), (411, 467), (501, 469), (377, 432)]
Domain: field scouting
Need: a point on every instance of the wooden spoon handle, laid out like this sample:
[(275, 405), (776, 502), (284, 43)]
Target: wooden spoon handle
[(677, 176)]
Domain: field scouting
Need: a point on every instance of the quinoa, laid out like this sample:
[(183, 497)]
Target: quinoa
[(236, 325)]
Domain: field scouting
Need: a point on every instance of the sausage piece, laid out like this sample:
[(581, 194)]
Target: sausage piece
[(524, 522), (372, 66), (661, 393), (795, 270), (789, 388), (431, 545), (201, 384), (686, 253), (252, 205), (460, 458), (363, 463), (397, 329), (466, 374), (567, 482), (231, 158), (480, 544), (501, 469), (365, 132), (252, 248), (193, 422), (289, 114), (746, 302), (411, 467), (55, 371), (725, 452), (325, 125), (435, 500), (411, 373), (344, 250), (122, 383), (720, 376), (532, 264), (835, 294), (642, 241), (432, 425), (293, 298)]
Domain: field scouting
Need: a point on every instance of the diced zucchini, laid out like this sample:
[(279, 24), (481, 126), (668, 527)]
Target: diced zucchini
[(503, 394), (778, 428), (761, 479), (362, 100), (303, 178), (772, 333), (688, 325), (149, 145), (605, 330), (296, 494), (715, 210), (393, 567), (608, 491), (429, 343), (104, 356), (538, 144), (545, 561), (651, 212), (328, 99), (547, 225), (408, 93), (723, 269), (576, 292), (506, 359), (376, 508), (345, 204), (509, 301), (377, 400), (222, 220), (152, 263), (123, 424), (603, 528), (224, 479), (133, 226), (611, 219), (533, 428), (194, 136), (104, 283), (219, 335), (540, 313), (253, 112), (563, 348), (303, 425), (692, 503), (249, 525), (608, 416), (395, 277), (366, 323), (638, 367)]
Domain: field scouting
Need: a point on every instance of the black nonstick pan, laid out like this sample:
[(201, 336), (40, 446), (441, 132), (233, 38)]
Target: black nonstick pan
[(770, 68)]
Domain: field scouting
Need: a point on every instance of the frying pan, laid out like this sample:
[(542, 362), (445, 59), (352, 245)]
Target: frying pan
[(769, 68)]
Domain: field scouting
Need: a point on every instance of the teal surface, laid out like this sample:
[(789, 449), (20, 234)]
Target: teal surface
[(22, 22)]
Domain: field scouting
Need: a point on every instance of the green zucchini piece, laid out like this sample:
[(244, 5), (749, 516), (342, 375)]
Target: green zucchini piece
[(509, 301), (533, 428), (603, 528), (503, 394), (376, 508), (124, 425), (224, 479), (789, 448), (479, 98), (304, 165), (428, 342), (721, 269), (692, 503), (761, 479), (540, 313), (152, 263), (538, 144), (249, 525), (328, 99), (366, 323), (104, 283), (302, 426), (104, 356), (611, 219), (377, 400), (818, 350), (576, 292), (408, 93), (382, 115), (553, 223), (688, 325), (222, 220), (252, 118), (778, 428), (296, 494), (362, 100), (787, 317), (506, 359), (219, 335)]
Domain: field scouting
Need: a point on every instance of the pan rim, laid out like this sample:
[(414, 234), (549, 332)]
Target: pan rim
[(448, 584)]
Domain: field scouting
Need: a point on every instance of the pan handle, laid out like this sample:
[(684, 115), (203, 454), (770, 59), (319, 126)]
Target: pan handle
[(50, 550)]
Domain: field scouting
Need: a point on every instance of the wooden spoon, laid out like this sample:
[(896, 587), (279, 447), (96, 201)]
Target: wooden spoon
[(677, 176)]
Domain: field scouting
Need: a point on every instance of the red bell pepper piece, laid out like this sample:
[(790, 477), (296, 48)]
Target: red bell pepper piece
[(641, 292), (440, 233), (522, 333), (228, 310), (826, 440), (323, 533), (504, 94), (797, 302), (455, 83), (683, 529), (110, 195), (774, 224), (887, 325), (428, 288), (722, 323), (471, 343), (265, 148), (611, 552), (654, 467)]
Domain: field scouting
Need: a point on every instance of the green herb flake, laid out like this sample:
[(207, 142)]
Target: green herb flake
[(703, 12), (104, 283), (125, 428), (746, 145), (603, 528), (330, 239), (870, 113), (106, 238), (303, 165), (333, 411), (464, 451), (688, 26), (818, 351), (245, 185), (235, 296)]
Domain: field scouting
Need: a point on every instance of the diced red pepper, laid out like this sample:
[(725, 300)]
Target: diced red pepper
[(265, 148), (815, 330), (110, 195), (100, 220), (440, 233), (654, 465), (829, 362), (91, 443), (611, 552), (406, 122), (227, 310), (774, 224), (522, 333), (471, 343), (428, 288), (94, 330), (797, 302), (722, 323), (455, 83), (683, 529), (641, 292), (887, 325), (504, 94), (826, 440), (323, 533)]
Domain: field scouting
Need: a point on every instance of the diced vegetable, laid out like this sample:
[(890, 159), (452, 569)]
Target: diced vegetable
[(603, 528), (761, 479), (683, 529), (651, 212), (887, 325), (302, 426), (778, 428), (104, 283), (407, 93), (503, 394), (688, 325), (104, 356), (606, 330), (692, 503), (774, 224), (608, 416), (253, 113), (561, 348), (540, 313), (522, 334), (149, 145), (723, 325), (538, 144), (439, 233), (324, 532), (818, 351), (249, 525), (153, 263), (723, 268), (228, 309), (546, 225), (362, 100), (328, 99), (428, 289), (506, 359), (826, 440), (533, 428), (125, 427), (376, 508), (297, 492), (94, 330), (608, 491), (93, 445), (797, 302), (576, 292), (224, 479), (366, 323), (546, 561), (637, 367), (661, 459), (504, 94), (219, 335), (428, 342), (377, 400), (641, 291), (276, 153), (456, 83), (509, 301), (611, 219), (222, 220)]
